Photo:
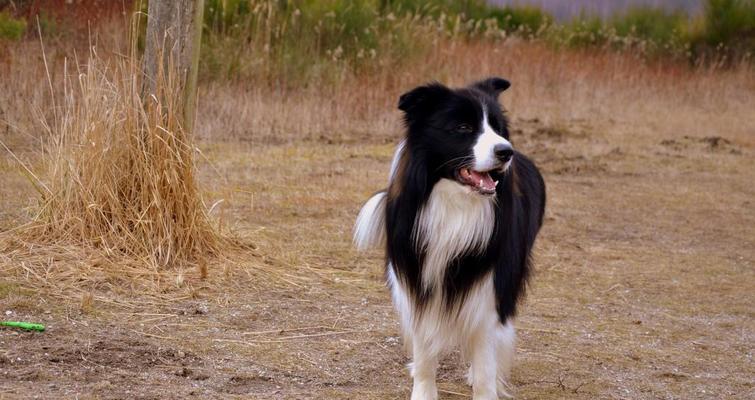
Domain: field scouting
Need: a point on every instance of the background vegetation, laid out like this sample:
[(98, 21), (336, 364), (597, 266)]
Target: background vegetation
[(285, 42), (299, 39)]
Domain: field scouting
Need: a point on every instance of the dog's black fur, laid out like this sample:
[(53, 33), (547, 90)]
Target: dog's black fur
[(440, 122)]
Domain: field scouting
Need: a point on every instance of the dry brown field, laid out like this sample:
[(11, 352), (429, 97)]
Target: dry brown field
[(645, 267)]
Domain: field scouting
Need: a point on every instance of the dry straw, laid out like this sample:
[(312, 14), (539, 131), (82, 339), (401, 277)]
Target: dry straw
[(119, 202)]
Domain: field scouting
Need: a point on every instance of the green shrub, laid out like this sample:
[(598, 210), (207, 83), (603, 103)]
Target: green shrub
[(470, 9), (11, 28), (727, 29), (653, 24), (524, 19), (581, 32), (727, 21)]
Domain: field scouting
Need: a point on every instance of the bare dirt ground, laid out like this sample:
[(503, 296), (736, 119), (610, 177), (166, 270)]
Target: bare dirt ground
[(644, 284)]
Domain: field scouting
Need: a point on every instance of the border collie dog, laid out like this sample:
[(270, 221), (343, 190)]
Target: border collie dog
[(458, 221)]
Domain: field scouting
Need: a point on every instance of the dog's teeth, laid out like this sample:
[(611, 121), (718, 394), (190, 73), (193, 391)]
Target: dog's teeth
[(480, 183), (496, 184)]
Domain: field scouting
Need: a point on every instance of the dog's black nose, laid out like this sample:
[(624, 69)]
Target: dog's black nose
[(503, 152)]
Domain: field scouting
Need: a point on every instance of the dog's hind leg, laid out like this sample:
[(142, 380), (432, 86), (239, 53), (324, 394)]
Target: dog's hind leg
[(403, 307)]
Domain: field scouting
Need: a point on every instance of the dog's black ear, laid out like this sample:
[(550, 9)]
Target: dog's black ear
[(421, 96), (493, 86)]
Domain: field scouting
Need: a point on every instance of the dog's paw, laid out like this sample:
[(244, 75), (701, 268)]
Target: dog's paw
[(424, 391)]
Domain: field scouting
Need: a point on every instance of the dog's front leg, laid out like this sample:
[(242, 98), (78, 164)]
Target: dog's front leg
[(484, 366), (423, 368), (505, 338)]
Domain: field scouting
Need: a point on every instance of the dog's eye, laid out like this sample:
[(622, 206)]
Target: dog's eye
[(464, 128)]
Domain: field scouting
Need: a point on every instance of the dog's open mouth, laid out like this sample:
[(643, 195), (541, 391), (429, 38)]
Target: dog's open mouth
[(480, 181)]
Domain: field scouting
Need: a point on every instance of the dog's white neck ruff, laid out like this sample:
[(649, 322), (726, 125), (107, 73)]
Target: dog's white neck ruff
[(455, 220)]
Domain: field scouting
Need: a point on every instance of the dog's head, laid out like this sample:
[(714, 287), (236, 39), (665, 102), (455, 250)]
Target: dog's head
[(463, 132)]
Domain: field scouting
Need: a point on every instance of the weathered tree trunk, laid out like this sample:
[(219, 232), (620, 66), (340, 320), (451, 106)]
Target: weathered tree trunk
[(174, 35)]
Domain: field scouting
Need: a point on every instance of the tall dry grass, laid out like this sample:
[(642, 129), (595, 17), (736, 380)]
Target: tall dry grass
[(122, 168), (660, 98), (118, 200)]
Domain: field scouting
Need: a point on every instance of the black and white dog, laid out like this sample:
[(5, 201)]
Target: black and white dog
[(458, 221)]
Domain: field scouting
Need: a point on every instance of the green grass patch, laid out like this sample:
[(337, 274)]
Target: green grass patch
[(11, 28)]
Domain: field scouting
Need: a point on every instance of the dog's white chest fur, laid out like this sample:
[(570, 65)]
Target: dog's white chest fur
[(454, 221)]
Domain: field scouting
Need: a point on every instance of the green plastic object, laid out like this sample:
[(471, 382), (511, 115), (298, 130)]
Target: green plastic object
[(24, 325)]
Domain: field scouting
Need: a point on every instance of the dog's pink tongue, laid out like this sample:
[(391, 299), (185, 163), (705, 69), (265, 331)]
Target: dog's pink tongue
[(483, 180)]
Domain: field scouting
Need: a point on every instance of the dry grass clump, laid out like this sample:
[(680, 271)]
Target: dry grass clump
[(120, 186)]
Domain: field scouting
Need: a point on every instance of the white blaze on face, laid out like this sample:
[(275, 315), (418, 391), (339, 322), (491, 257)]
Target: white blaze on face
[(484, 149)]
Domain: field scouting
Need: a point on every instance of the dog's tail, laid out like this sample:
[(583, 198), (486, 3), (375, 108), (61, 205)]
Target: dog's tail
[(369, 230)]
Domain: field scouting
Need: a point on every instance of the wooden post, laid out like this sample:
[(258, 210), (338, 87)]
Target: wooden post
[(174, 33)]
